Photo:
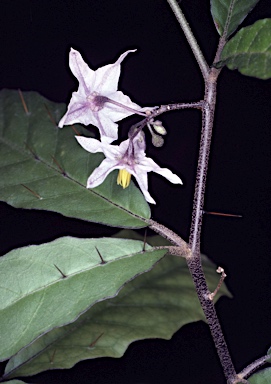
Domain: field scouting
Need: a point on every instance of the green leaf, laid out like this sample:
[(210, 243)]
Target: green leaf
[(153, 305), (15, 382), (49, 285), (249, 50), (261, 377), (154, 241), (43, 167), (228, 14)]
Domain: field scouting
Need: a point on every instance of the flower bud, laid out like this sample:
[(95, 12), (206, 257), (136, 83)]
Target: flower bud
[(157, 125), (157, 140)]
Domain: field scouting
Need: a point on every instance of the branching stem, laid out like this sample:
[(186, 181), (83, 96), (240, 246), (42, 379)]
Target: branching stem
[(210, 76), (190, 38)]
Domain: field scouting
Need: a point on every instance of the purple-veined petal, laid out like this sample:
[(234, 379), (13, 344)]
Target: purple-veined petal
[(107, 77), (77, 112), (99, 174), (108, 128), (82, 72), (115, 112)]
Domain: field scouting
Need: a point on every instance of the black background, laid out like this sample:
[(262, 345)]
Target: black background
[(35, 40)]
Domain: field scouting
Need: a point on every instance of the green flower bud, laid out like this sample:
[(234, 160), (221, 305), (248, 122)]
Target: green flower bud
[(157, 141), (157, 125)]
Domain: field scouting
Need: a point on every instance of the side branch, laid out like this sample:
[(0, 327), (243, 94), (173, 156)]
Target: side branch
[(174, 250), (190, 38), (170, 235), (163, 109), (253, 366)]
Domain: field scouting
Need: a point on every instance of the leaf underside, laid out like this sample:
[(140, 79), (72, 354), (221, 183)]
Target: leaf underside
[(249, 50), (155, 304), (43, 166), (229, 14), (49, 285)]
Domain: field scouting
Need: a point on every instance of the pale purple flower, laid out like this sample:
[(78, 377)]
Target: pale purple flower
[(97, 100), (130, 158)]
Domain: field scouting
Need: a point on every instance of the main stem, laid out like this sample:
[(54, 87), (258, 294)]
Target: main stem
[(194, 262)]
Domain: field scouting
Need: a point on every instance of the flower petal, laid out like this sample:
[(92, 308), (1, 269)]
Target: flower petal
[(100, 173), (142, 180), (107, 77), (115, 112), (148, 165), (82, 72), (78, 112), (89, 144), (108, 128)]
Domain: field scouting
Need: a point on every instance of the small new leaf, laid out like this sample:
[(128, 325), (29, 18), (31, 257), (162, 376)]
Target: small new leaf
[(229, 14), (249, 50)]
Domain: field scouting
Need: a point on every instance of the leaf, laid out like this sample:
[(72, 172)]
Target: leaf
[(261, 377), (155, 304), (228, 14), (14, 382), (154, 241), (250, 50), (43, 167), (49, 285)]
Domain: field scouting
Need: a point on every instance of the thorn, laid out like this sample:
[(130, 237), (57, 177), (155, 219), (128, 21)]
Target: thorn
[(53, 356), (102, 260), (145, 240), (59, 166), (33, 153), (95, 341), (59, 270), (33, 192), (50, 115), (23, 102), (223, 275), (221, 214), (75, 130)]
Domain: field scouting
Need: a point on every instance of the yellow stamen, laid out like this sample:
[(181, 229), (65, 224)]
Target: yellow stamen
[(124, 178)]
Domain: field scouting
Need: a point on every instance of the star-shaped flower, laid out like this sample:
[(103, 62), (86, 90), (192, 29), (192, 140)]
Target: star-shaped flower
[(130, 158), (97, 100)]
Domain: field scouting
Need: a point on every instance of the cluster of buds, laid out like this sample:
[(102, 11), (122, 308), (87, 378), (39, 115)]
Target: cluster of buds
[(98, 102)]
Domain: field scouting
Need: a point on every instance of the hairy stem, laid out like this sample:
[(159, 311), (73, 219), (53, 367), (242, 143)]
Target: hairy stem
[(253, 366), (194, 261), (190, 37), (159, 111)]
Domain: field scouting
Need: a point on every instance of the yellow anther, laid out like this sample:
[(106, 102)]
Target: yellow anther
[(124, 178)]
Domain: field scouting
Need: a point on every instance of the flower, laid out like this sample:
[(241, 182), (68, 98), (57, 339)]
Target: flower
[(130, 158), (97, 100)]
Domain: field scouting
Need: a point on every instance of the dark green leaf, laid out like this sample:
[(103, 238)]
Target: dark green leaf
[(49, 285), (153, 305), (228, 14), (249, 50), (43, 167)]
